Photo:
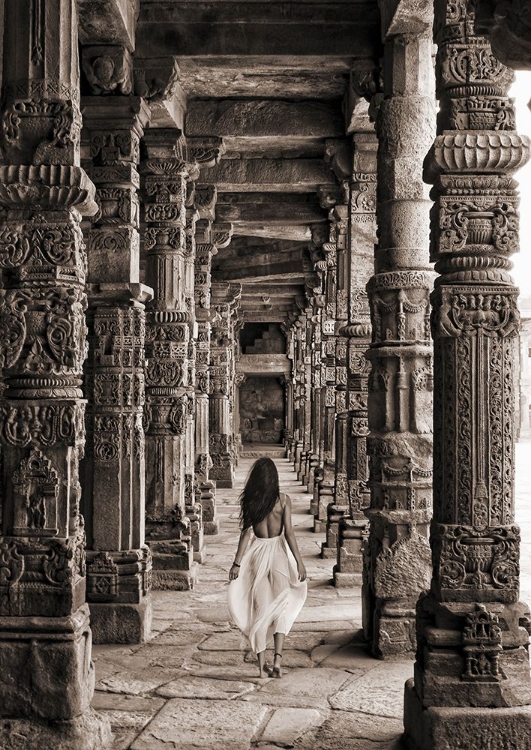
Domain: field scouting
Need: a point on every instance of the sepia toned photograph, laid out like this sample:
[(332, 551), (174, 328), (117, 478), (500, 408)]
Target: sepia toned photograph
[(265, 374)]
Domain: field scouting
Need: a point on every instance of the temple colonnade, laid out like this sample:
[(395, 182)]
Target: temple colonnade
[(121, 361)]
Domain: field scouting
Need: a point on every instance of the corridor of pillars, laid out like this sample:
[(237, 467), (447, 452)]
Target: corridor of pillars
[(190, 220)]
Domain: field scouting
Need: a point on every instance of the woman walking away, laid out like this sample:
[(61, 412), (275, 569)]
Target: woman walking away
[(267, 587)]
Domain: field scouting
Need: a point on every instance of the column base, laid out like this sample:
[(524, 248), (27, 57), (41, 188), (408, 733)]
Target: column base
[(226, 484), (117, 622), (347, 580), (88, 732), (319, 526), (440, 728), (328, 553), (175, 580), (210, 528), (200, 556)]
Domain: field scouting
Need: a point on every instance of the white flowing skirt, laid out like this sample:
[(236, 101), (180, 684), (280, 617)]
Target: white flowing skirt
[(267, 596)]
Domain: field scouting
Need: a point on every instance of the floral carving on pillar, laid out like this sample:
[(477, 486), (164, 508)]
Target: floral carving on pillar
[(169, 390), (397, 564), (475, 542)]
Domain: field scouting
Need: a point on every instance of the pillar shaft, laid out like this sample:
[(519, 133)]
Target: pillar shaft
[(45, 640), (205, 249), (473, 602), (168, 388), (398, 558), (225, 301), (113, 471), (352, 493)]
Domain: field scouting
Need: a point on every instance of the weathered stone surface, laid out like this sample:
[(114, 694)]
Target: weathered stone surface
[(203, 724), (468, 728), (288, 724), (202, 687), (302, 688), (252, 119), (121, 623), (88, 732), (354, 730), (378, 692), (273, 175)]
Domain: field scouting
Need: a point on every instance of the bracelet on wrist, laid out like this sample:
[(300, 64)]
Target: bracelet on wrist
[(236, 564)]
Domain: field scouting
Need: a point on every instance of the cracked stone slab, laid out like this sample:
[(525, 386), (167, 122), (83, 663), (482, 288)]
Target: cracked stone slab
[(351, 657), (178, 637), (204, 687), (242, 673), (210, 725), (288, 724), (302, 688), (354, 731), (142, 671), (230, 641), (379, 692), (219, 658)]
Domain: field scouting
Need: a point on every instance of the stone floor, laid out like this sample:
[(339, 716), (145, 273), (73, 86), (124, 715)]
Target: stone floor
[(192, 687)]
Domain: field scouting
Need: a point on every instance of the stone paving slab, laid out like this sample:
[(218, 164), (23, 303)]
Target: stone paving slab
[(301, 688), (204, 687), (210, 725), (379, 692), (286, 725)]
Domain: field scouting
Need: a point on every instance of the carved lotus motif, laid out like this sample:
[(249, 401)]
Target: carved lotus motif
[(47, 187), (481, 151)]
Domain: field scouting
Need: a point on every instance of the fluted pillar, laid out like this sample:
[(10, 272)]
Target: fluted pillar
[(47, 676), (113, 471), (168, 322), (472, 685), (398, 559)]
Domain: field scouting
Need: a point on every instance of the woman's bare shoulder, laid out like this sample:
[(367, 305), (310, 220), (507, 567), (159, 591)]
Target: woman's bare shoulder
[(285, 499)]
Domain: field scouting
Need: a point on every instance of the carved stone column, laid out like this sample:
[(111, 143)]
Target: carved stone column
[(352, 424), (166, 170), (205, 198), (225, 300), (472, 669), (398, 559), (192, 493), (113, 471), (47, 676), (335, 370), (306, 396)]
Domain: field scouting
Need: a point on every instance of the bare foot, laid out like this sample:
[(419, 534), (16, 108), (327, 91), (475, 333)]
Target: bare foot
[(277, 669)]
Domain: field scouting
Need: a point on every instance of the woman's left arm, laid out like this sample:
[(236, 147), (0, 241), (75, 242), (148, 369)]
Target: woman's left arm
[(242, 546)]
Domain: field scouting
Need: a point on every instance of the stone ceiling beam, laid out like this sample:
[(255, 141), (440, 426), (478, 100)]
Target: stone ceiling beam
[(263, 28), (302, 77), (264, 118), (273, 175), (281, 213), (108, 22)]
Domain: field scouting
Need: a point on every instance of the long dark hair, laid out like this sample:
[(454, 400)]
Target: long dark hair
[(260, 493)]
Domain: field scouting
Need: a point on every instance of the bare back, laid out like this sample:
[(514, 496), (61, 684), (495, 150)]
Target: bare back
[(273, 524)]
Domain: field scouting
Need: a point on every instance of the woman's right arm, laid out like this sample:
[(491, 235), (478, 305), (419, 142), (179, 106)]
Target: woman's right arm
[(242, 546), (291, 540)]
